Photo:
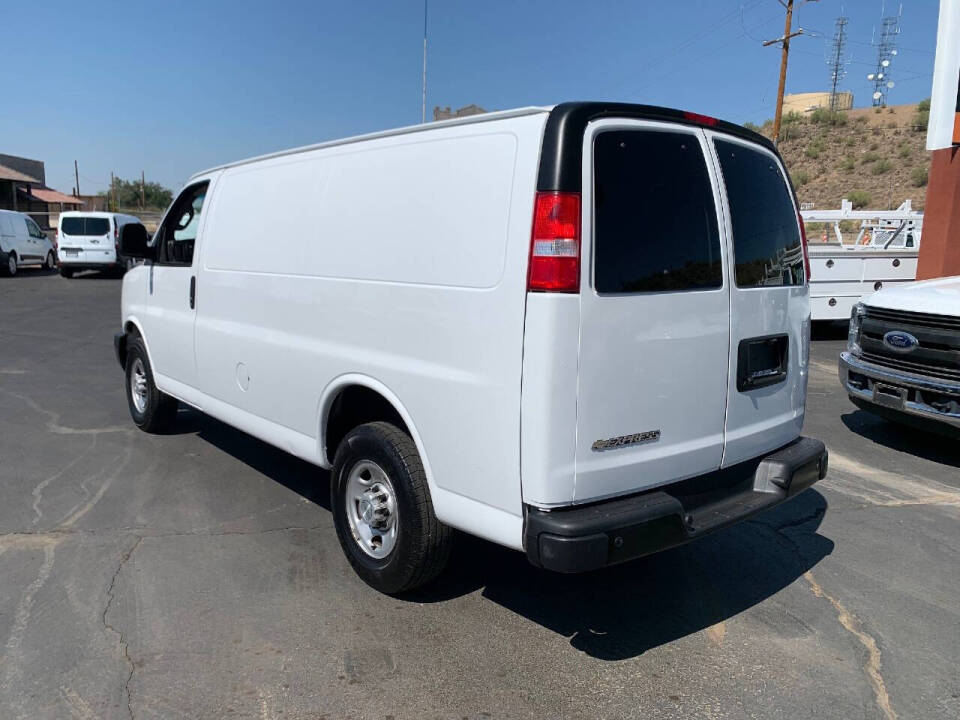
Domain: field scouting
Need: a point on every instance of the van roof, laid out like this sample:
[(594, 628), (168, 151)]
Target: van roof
[(469, 120), (566, 120)]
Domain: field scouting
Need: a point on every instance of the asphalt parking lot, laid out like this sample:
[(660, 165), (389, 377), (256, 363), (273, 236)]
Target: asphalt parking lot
[(198, 575)]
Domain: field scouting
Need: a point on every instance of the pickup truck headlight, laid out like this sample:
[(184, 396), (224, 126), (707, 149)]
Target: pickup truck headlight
[(853, 334)]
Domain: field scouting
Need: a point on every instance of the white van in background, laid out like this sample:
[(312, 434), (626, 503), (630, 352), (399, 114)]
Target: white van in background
[(476, 325), (22, 242), (90, 241)]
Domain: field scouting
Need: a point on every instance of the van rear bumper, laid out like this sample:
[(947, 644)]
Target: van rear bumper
[(614, 531)]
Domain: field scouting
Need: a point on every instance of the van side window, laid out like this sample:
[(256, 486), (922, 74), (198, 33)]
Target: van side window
[(766, 235), (655, 220), (177, 235), (33, 230)]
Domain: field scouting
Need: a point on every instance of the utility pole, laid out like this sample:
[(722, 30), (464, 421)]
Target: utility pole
[(785, 44), (143, 190), (423, 107), (76, 176), (112, 195), (886, 51)]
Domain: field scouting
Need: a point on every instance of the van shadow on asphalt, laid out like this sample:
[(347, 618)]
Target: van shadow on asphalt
[(611, 614), (903, 438)]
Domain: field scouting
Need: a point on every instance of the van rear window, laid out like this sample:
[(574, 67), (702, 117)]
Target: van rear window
[(766, 236), (654, 215), (91, 226)]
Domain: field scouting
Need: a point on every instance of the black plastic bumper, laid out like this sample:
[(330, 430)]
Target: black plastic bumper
[(120, 348), (593, 536)]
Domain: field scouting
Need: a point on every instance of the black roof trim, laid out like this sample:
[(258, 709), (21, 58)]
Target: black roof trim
[(562, 151)]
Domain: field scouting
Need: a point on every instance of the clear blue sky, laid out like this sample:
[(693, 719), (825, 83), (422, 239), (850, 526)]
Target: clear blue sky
[(175, 86)]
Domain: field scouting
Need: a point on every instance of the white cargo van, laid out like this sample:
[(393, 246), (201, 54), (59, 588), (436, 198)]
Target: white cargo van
[(91, 241), (22, 242), (478, 325)]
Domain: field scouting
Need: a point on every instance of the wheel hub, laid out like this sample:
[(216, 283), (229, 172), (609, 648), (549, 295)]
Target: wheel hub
[(371, 509)]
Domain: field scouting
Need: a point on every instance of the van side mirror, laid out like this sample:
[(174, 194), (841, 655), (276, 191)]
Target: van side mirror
[(135, 242)]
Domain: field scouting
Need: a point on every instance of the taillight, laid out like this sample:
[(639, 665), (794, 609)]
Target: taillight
[(116, 232), (803, 242), (555, 243), (701, 119)]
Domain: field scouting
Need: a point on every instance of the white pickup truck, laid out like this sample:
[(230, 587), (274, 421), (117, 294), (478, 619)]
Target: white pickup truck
[(903, 354)]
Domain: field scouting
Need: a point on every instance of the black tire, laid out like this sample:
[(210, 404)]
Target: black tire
[(50, 263), (66, 272), (10, 269), (422, 546), (160, 410)]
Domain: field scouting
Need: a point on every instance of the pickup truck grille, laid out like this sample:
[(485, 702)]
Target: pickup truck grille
[(937, 355)]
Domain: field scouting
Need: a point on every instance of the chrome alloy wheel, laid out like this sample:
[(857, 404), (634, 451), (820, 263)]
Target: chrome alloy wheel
[(371, 509), (12, 264), (138, 385)]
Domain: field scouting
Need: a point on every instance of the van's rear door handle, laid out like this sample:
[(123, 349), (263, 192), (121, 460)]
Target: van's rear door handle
[(193, 291)]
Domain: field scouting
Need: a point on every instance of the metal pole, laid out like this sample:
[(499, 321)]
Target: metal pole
[(76, 175), (783, 71), (112, 197), (423, 107), (143, 190)]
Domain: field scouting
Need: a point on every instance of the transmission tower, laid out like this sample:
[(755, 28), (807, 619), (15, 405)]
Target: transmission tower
[(886, 51), (837, 61)]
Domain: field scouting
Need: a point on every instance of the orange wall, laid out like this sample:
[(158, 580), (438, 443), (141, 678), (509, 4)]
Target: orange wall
[(940, 244)]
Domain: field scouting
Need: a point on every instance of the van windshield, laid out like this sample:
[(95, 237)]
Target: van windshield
[(90, 226), (766, 235)]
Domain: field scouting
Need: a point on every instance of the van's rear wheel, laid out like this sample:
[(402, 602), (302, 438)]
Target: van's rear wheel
[(50, 263), (11, 268), (151, 410), (382, 510)]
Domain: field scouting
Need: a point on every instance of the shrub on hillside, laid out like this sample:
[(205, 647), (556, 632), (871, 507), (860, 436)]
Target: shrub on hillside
[(881, 166), (812, 152), (859, 198), (800, 178), (921, 118), (920, 176), (752, 126), (826, 116), (848, 163), (904, 151), (869, 157)]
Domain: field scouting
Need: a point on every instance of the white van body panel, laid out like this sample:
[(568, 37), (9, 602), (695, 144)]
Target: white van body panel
[(432, 261)]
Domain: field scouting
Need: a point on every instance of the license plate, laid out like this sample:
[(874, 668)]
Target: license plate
[(889, 395), (71, 252)]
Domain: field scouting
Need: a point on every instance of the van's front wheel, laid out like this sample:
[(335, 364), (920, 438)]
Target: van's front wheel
[(382, 510), (151, 410)]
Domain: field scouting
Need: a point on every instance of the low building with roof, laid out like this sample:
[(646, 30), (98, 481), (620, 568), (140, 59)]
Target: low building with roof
[(23, 188)]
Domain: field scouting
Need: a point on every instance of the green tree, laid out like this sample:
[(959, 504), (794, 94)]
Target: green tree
[(126, 194)]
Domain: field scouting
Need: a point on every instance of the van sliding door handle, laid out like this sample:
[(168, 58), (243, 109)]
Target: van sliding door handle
[(193, 292)]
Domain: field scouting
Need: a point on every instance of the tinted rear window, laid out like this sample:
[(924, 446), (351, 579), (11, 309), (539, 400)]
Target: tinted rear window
[(766, 236), (84, 226), (654, 215)]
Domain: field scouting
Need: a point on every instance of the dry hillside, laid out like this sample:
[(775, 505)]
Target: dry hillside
[(875, 159)]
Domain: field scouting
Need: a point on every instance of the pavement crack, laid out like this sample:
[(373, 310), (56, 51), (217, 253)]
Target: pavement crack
[(42, 485), (53, 420), (107, 626), (852, 624)]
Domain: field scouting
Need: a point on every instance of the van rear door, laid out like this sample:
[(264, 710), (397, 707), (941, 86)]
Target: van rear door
[(654, 309), (87, 234), (769, 301)]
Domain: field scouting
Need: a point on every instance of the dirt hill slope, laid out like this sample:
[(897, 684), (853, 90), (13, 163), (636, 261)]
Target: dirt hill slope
[(877, 160)]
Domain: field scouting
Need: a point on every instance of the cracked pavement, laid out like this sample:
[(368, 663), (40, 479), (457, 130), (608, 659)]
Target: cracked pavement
[(197, 575)]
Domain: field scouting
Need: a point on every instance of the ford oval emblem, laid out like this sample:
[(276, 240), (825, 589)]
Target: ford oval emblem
[(900, 341)]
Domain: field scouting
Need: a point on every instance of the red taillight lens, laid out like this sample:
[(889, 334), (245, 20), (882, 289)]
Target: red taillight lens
[(116, 231), (555, 243), (803, 241)]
